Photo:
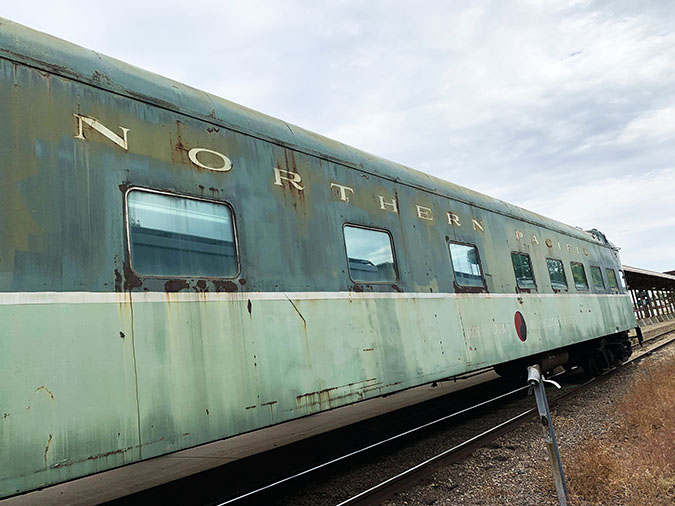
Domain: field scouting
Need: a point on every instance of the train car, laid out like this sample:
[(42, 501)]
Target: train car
[(176, 269)]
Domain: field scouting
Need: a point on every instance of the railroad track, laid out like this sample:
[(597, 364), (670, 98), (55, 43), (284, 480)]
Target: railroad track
[(385, 489), (377, 493)]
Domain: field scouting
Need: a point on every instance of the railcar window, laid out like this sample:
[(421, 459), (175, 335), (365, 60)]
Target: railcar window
[(556, 272), (596, 276), (622, 280), (466, 265), (579, 275), (178, 236), (370, 254), (611, 278), (523, 270)]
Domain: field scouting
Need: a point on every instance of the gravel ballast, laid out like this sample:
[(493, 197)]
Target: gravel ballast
[(515, 469)]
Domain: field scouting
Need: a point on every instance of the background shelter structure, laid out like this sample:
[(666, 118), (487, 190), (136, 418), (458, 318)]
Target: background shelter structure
[(653, 294)]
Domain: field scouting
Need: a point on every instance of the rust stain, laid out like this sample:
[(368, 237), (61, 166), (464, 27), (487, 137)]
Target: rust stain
[(330, 395), (175, 285), (107, 454), (179, 147), (397, 288), (201, 286), (250, 407), (54, 69), (118, 281), (131, 280), (242, 281), (67, 463), (122, 336), (46, 390), (357, 288), (269, 403), (49, 442), (368, 349), (224, 286), (124, 186), (99, 77), (186, 433), (248, 306)]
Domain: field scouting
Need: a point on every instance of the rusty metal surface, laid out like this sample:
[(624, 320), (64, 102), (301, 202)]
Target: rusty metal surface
[(100, 366)]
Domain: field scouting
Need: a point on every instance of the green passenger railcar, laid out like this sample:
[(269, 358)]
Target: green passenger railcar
[(177, 269)]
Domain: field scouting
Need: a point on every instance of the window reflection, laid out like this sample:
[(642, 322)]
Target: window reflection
[(557, 274), (579, 275), (523, 270), (370, 254), (176, 236), (611, 278), (596, 276), (466, 265)]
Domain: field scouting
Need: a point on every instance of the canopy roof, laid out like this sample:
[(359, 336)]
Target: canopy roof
[(643, 279)]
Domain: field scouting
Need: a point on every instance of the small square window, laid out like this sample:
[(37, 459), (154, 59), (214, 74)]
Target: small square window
[(466, 265), (180, 236), (523, 270), (579, 276), (596, 276), (556, 272), (611, 278), (370, 255)]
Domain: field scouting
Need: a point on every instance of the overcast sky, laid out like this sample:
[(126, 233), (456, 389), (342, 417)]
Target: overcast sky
[(566, 108)]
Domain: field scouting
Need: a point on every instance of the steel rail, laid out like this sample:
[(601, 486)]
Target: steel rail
[(371, 446), (645, 341), (383, 490)]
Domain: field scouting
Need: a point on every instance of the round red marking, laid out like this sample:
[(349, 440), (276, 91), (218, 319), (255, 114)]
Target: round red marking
[(521, 327)]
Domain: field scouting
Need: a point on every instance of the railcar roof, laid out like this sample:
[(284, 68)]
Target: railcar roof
[(37, 49)]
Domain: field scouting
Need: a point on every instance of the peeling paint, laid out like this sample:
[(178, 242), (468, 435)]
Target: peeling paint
[(175, 285), (131, 280), (224, 286)]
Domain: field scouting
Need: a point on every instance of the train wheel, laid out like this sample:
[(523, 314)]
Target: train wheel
[(591, 366)]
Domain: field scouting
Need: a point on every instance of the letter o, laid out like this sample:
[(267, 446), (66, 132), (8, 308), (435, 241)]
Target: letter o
[(227, 163)]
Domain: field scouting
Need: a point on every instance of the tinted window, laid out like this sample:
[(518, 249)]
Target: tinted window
[(596, 276), (177, 236), (611, 278), (579, 275), (523, 270), (466, 265), (370, 254), (557, 274)]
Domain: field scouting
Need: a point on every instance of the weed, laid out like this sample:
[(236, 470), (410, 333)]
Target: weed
[(634, 462)]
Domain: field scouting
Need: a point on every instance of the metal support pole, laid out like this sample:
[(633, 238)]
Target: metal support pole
[(536, 380)]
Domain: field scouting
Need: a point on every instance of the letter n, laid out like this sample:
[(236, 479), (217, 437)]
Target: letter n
[(102, 129)]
